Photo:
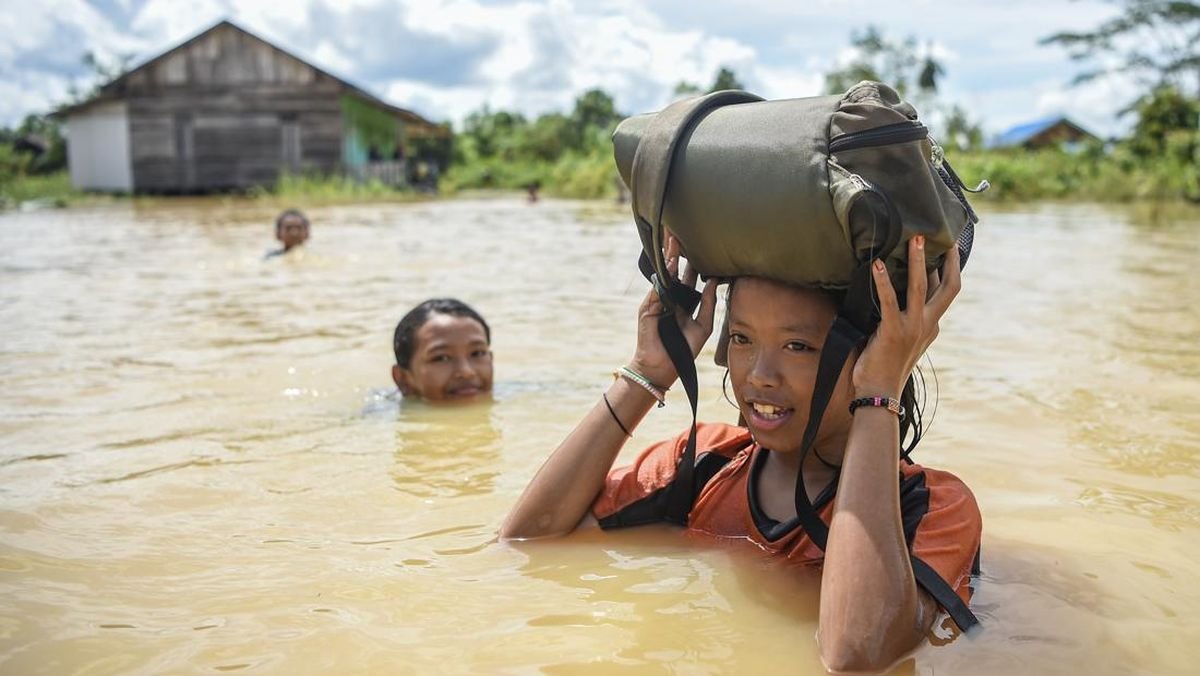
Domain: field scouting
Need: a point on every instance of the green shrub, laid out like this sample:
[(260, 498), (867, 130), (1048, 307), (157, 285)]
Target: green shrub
[(53, 189)]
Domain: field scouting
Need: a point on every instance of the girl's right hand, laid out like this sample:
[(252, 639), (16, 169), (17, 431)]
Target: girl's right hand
[(650, 357)]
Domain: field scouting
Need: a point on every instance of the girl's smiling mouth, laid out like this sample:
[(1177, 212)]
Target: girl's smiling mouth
[(767, 417), (464, 391)]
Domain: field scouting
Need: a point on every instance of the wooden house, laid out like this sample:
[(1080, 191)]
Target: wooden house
[(229, 110), (1049, 132)]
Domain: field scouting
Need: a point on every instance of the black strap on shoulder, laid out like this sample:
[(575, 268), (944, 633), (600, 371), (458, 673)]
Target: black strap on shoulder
[(857, 318), (940, 590), (843, 338), (653, 508), (648, 193), (707, 467), (680, 493), (680, 497)]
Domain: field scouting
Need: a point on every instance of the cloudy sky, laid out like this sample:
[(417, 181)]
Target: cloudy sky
[(444, 58)]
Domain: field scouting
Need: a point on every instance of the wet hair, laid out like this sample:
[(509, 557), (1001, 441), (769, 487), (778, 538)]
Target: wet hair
[(404, 340), (287, 214), (913, 397)]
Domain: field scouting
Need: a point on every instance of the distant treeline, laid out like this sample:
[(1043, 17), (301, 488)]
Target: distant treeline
[(570, 154), (1159, 161)]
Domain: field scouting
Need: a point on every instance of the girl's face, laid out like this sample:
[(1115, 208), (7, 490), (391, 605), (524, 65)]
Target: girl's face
[(775, 336), (292, 231), (451, 361)]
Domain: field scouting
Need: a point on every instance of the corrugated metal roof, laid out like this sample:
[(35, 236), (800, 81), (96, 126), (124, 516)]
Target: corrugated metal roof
[(1023, 132), (112, 90)]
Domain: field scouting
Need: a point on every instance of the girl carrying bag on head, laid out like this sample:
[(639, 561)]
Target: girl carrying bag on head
[(821, 369)]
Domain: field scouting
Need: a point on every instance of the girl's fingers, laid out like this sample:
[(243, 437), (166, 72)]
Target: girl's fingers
[(708, 306), (940, 301), (672, 248), (649, 305), (690, 275), (931, 284), (888, 306), (917, 283)]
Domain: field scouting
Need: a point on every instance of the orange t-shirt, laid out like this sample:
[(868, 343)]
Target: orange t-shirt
[(942, 524)]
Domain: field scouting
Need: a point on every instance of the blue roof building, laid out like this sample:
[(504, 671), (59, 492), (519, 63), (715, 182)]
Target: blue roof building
[(1044, 133)]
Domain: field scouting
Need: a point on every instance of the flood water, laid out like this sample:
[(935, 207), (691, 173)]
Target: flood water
[(201, 470)]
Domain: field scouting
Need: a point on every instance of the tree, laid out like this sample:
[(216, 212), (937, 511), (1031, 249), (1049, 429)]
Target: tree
[(550, 136), (594, 108), (593, 119), (915, 74), (1167, 124), (491, 131), (1156, 41), (896, 63), (961, 133), (685, 90), (724, 79)]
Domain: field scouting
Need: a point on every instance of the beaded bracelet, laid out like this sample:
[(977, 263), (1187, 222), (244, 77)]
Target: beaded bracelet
[(659, 394), (888, 403)]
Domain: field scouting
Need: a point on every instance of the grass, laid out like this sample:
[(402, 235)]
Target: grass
[(1015, 177), (56, 190), (1021, 176), (575, 175), (316, 189), (51, 189)]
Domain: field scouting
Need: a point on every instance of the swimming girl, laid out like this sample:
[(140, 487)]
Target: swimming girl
[(291, 229), (443, 353), (902, 539)]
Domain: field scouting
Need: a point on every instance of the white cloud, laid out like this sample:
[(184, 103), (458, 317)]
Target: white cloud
[(445, 58), (1091, 104), (329, 57), (19, 97)]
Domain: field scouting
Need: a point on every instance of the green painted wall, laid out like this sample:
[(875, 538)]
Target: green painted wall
[(367, 126)]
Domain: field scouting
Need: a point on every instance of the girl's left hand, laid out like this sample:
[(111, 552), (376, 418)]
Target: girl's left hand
[(902, 337)]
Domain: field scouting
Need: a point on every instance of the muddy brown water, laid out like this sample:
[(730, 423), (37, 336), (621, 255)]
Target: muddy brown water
[(201, 470)]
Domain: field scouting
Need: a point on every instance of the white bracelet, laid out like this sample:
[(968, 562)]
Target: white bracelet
[(659, 394)]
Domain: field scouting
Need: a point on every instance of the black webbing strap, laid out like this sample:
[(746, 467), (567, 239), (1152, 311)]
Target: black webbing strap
[(651, 170), (648, 193), (843, 339), (681, 491), (929, 580), (856, 321), (679, 500)]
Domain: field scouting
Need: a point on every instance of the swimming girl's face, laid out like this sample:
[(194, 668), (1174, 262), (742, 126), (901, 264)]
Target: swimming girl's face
[(775, 337), (451, 361), (292, 231)]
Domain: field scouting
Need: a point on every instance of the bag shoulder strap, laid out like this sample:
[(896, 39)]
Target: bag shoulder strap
[(652, 166), (650, 173)]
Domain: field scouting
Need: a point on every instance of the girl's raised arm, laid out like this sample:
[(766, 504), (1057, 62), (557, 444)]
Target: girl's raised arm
[(558, 497), (872, 611)]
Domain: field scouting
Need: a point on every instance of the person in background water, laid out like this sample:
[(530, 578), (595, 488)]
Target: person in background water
[(443, 353), (531, 191), (291, 229)]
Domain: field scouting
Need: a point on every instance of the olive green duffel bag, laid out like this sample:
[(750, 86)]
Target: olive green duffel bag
[(775, 188), (805, 191)]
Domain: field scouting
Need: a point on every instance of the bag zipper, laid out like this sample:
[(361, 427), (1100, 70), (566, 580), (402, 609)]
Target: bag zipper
[(906, 132), (901, 132)]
